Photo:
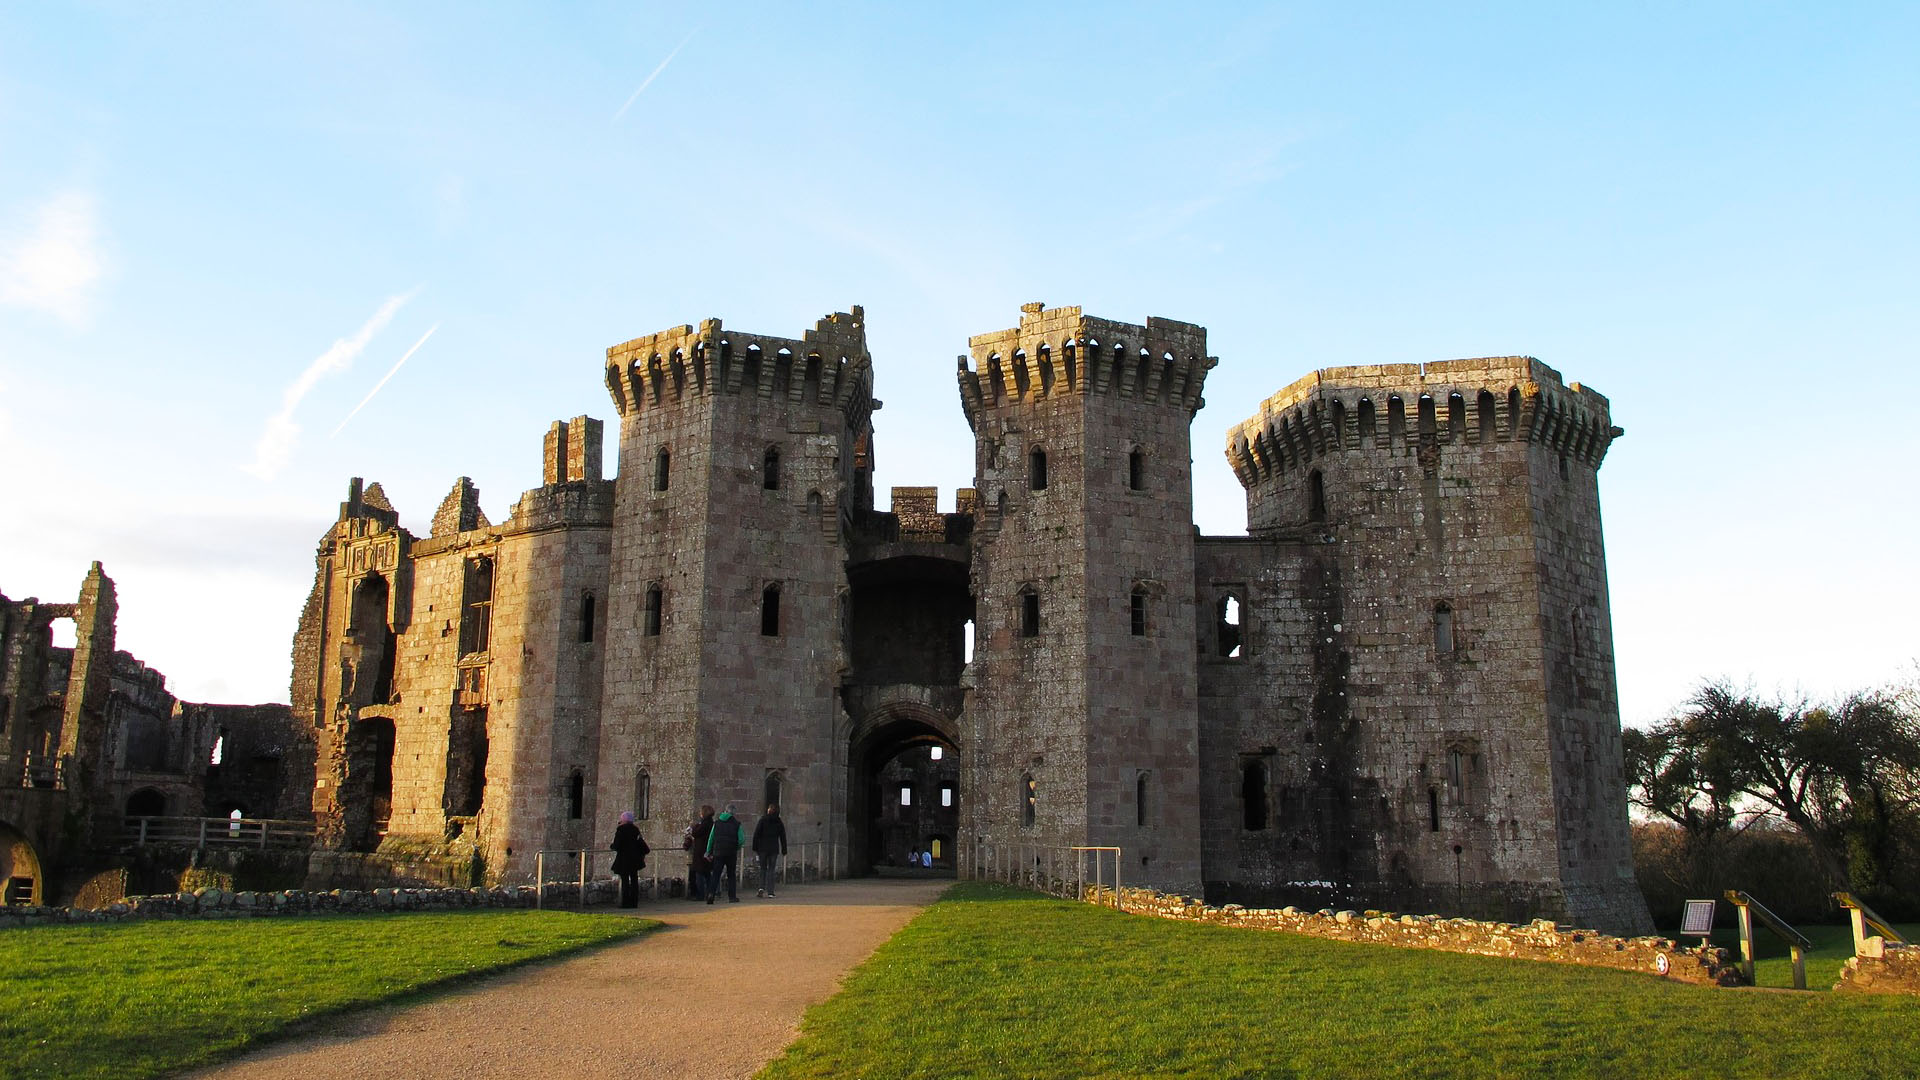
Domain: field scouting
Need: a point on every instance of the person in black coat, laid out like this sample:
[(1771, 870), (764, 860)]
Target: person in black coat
[(769, 843), (696, 845), (629, 858), (724, 841)]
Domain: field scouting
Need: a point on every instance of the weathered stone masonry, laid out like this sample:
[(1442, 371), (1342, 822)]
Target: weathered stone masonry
[(1396, 690)]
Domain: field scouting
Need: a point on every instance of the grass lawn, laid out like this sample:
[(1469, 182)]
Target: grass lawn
[(142, 998), (996, 982)]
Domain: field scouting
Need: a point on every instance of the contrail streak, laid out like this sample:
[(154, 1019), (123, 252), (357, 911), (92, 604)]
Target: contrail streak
[(383, 379), (276, 441), (655, 75)]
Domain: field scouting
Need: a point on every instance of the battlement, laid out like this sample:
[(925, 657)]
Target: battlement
[(1487, 400), (1057, 351), (828, 365)]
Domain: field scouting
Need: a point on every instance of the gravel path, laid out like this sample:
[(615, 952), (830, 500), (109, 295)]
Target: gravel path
[(717, 993)]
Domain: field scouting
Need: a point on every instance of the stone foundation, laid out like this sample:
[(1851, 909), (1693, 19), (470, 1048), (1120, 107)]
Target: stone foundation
[(1883, 969), (227, 904), (1537, 940)]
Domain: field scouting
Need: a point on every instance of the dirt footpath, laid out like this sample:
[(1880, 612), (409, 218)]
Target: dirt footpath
[(717, 993)]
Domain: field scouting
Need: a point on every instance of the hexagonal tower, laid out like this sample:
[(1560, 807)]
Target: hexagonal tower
[(739, 455), (1083, 719), (1477, 736)]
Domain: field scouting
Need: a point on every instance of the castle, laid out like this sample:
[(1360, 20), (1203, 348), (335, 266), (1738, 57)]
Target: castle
[(1397, 689)]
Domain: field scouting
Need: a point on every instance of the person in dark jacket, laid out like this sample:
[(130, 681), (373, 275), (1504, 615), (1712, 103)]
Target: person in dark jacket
[(696, 845), (724, 841), (629, 858), (769, 843)]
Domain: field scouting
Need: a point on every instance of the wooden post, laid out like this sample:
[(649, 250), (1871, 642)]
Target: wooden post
[(1799, 967), (539, 879), (583, 879), (1746, 943)]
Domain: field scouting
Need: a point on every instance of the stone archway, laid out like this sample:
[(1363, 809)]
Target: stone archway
[(894, 746), (21, 880)]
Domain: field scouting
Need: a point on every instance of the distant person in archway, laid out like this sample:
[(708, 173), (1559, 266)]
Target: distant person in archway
[(629, 858), (724, 842), (769, 844)]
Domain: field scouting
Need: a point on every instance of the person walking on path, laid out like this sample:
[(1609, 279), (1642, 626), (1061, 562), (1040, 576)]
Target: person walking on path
[(629, 858), (695, 844), (724, 841), (769, 844)]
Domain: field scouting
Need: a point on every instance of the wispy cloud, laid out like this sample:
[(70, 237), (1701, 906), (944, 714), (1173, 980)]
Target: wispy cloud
[(635, 96), (54, 265), (408, 355), (276, 441)]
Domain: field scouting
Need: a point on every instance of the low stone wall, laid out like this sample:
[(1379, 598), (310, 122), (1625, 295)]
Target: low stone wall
[(1537, 940), (227, 904), (1883, 968)]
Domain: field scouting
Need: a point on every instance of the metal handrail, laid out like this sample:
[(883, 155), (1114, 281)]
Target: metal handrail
[(1862, 917), (1055, 869), (1797, 943)]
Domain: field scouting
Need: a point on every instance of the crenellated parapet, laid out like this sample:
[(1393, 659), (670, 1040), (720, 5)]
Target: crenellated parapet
[(1397, 408), (828, 366), (1057, 351)]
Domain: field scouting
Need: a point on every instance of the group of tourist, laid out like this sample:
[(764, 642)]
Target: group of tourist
[(713, 845)]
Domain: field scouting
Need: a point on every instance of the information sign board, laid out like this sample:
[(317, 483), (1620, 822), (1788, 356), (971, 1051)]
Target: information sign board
[(1698, 918)]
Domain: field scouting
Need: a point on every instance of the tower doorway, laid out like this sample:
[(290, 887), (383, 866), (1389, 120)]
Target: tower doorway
[(904, 799)]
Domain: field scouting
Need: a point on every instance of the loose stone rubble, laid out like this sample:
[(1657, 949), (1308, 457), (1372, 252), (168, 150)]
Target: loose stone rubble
[(1536, 940)]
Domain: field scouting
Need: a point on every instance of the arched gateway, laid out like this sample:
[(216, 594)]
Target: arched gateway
[(910, 606)]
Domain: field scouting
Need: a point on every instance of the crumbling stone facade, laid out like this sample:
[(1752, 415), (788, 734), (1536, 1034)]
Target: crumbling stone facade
[(1396, 690), (90, 737)]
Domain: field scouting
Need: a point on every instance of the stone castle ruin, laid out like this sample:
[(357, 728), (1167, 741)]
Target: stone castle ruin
[(91, 739), (1397, 688)]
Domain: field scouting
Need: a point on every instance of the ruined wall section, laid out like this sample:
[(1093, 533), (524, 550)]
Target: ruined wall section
[(341, 657), (1092, 713), (1275, 813), (768, 443), (1424, 478)]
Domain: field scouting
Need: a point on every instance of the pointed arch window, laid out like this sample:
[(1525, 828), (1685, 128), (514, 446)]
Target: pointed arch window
[(1037, 469), (655, 608), (1029, 800), (1137, 470), (1316, 496), (1141, 813), (586, 618), (642, 795), (662, 469)]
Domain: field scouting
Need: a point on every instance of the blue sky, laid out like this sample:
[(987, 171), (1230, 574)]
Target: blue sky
[(221, 226)]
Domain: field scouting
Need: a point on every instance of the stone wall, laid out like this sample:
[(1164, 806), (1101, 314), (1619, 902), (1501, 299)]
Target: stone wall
[(1537, 940), (227, 904), (1882, 968)]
